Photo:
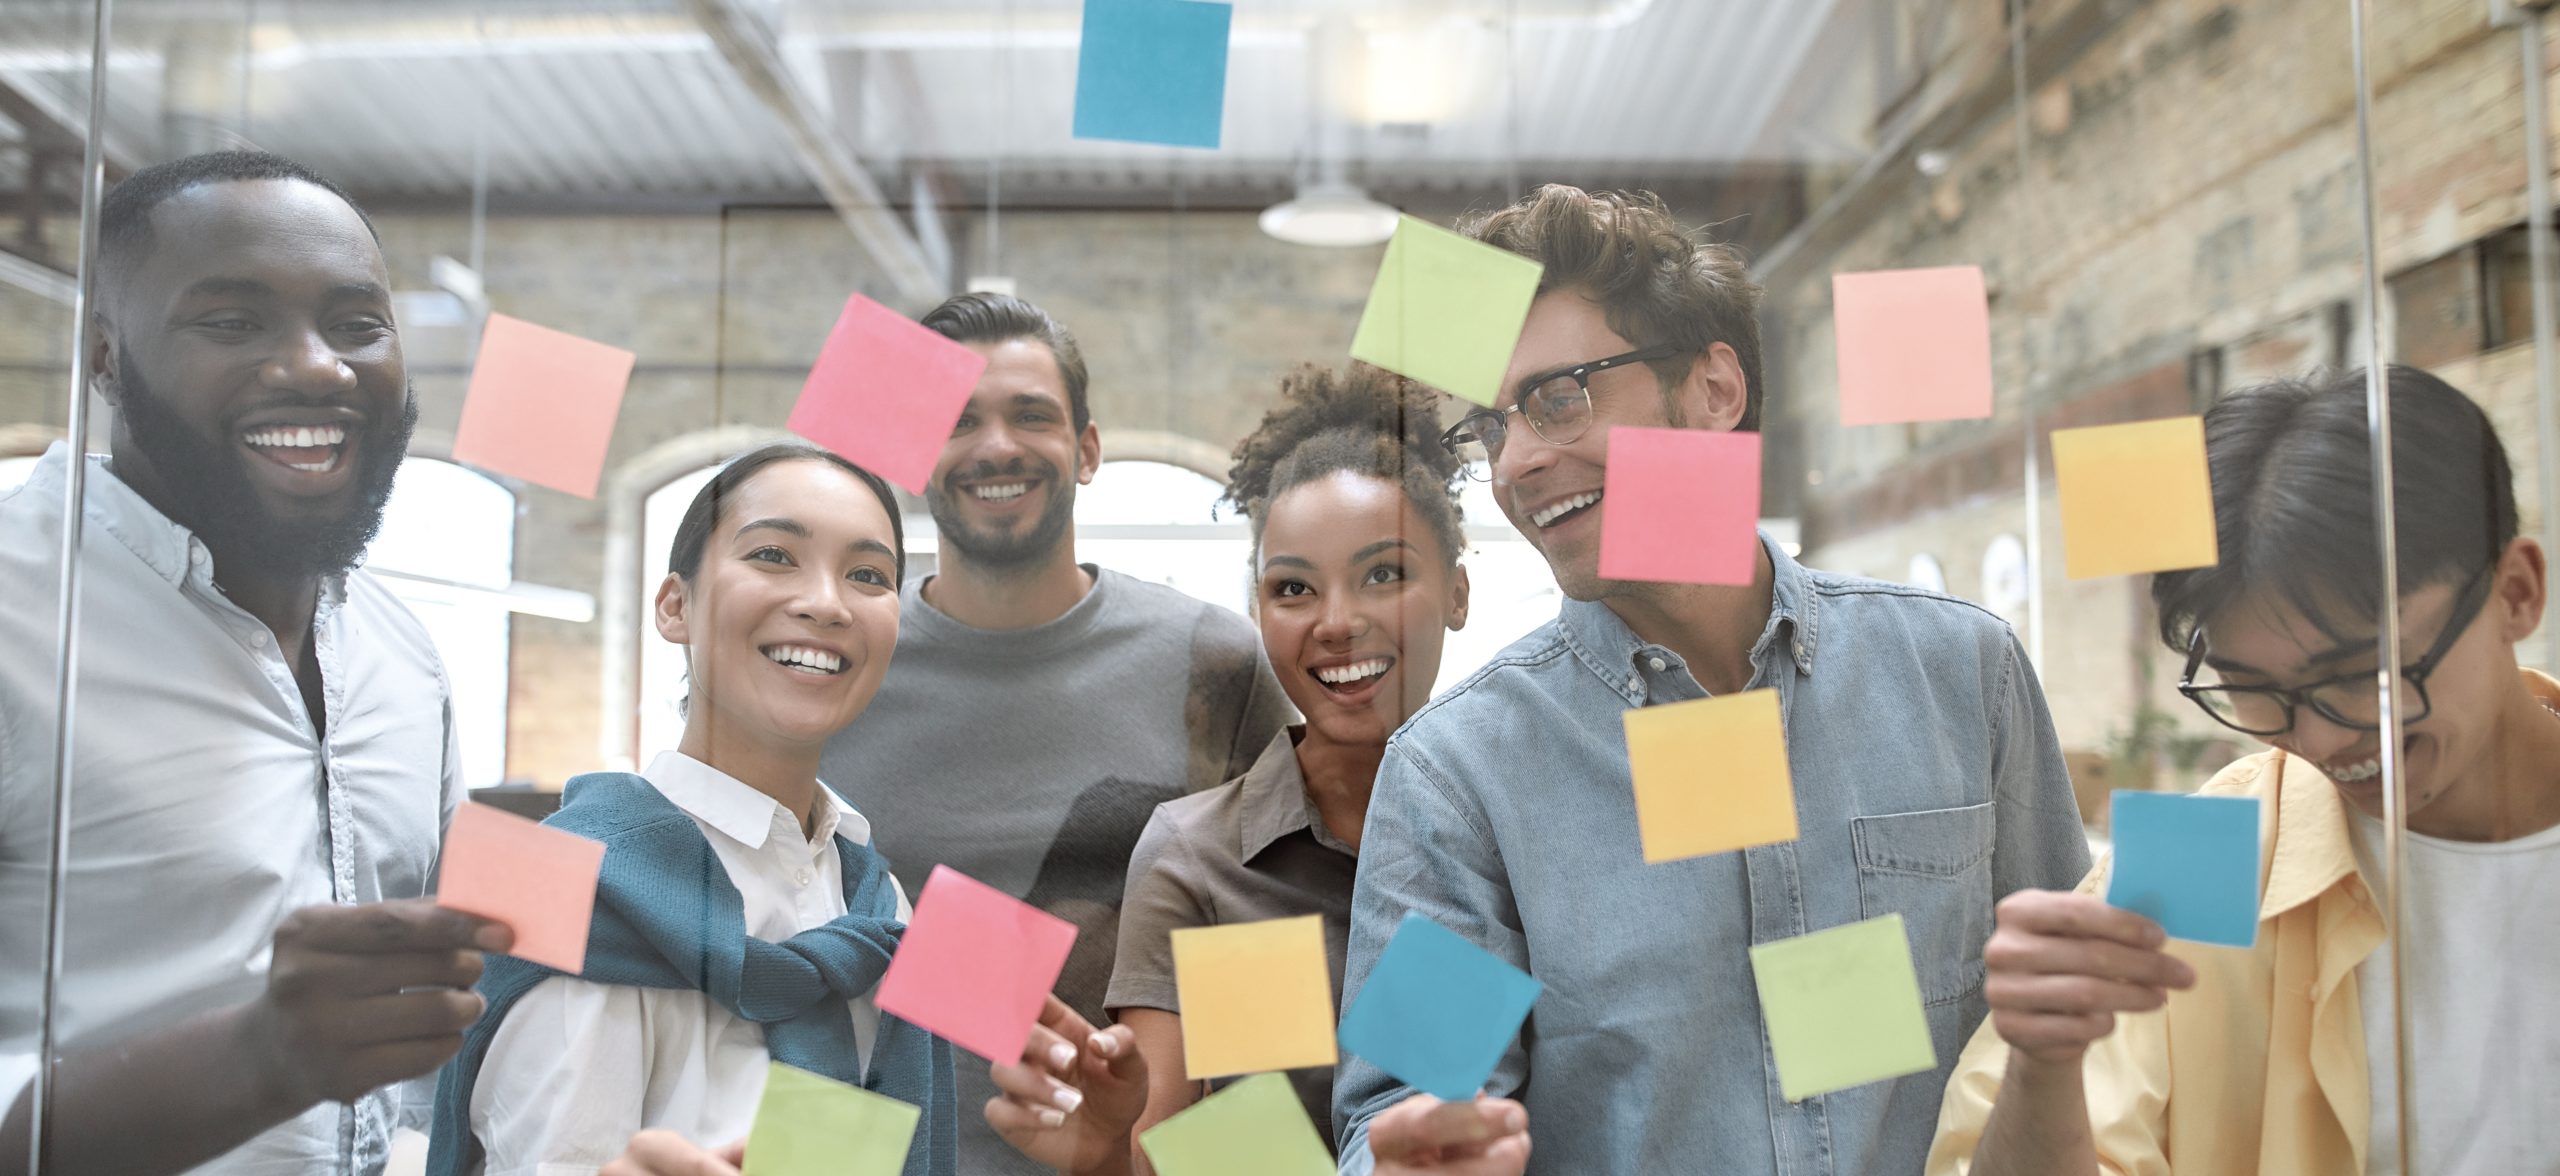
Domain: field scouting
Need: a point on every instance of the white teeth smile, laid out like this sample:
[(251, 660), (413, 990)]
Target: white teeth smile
[(1560, 509), (2356, 773), (1355, 672), (305, 437), (805, 659), (1004, 492)]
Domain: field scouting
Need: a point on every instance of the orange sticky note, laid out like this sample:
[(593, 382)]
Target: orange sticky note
[(1914, 345), (2135, 498), (541, 405), (1255, 997), (975, 966), (539, 881), (1711, 775)]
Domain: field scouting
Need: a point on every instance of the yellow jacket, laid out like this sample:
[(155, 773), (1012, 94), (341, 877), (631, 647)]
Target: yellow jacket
[(2266, 1053)]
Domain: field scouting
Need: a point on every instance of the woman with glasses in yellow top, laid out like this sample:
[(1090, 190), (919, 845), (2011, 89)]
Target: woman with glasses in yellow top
[(2109, 1049)]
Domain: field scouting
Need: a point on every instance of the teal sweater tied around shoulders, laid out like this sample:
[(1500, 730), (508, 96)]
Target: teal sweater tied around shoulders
[(667, 916)]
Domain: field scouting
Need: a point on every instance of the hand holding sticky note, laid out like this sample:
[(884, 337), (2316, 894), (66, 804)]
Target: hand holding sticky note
[(885, 392), (539, 881), (1446, 311), (975, 965), (1255, 996), (811, 1125), (2135, 498), (1152, 71), (1437, 1011), (1913, 345), (2189, 863), (1256, 1127), (1843, 1007), (1681, 506), (541, 405), (1710, 775)]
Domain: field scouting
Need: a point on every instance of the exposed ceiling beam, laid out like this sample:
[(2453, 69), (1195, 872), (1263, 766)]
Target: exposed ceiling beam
[(749, 48)]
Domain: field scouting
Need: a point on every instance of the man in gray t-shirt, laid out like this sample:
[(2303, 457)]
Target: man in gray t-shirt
[(1039, 709)]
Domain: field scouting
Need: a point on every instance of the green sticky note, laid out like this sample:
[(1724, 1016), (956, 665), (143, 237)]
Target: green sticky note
[(1256, 1127), (1446, 311), (808, 1125), (1843, 1007)]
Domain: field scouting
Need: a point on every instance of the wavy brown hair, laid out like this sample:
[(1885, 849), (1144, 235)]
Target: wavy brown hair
[(1655, 285)]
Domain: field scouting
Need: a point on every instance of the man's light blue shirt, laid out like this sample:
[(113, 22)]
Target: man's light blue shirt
[(1928, 782)]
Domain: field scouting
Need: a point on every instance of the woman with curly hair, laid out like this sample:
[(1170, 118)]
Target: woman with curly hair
[(1356, 540)]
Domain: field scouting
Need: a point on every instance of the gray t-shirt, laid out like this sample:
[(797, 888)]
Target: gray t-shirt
[(1251, 850), (1030, 760)]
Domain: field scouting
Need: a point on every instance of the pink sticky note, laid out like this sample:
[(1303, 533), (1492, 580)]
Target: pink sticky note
[(975, 965), (539, 881), (1681, 505), (885, 393), (541, 405), (1914, 345)]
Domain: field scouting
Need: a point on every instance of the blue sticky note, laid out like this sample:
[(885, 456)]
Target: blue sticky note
[(1153, 71), (1437, 1011), (2190, 863)]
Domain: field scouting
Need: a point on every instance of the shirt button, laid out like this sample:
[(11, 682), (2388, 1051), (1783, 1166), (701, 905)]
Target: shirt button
[(1658, 664), (259, 639), (801, 878), (1635, 683)]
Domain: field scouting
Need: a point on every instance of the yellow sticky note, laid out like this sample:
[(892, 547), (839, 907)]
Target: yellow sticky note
[(2135, 498), (1255, 997), (1446, 310), (1711, 775)]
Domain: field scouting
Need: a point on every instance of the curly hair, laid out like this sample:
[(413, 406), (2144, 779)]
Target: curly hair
[(1361, 420), (1653, 283)]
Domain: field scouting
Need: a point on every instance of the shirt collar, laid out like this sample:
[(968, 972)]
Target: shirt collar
[(738, 811), (117, 509), (1272, 800), (1610, 649)]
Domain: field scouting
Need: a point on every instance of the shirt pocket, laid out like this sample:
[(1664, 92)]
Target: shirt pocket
[(1934, 869)]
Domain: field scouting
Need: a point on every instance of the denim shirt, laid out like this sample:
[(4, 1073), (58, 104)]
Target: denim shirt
[(1927, 782)]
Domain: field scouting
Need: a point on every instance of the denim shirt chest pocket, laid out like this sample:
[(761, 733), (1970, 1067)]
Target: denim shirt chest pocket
[(1934, 869)]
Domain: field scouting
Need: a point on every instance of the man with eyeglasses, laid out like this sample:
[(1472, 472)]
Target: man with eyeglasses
[(2277, 1060), (1928, 781)]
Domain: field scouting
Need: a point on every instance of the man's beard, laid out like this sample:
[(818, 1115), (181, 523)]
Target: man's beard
[(1004, 551), (209, 493)]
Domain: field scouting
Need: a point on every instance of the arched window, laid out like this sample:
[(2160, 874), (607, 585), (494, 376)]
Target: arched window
[(661, 664), (447, 549)]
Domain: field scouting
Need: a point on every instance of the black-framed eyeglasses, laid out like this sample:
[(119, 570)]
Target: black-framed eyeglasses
[(2353, 701), (1557, 406)]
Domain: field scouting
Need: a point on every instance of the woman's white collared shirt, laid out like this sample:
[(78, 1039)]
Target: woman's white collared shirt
[(579, 1067)]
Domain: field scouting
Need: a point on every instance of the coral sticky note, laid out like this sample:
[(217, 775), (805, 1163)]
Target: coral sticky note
[(541, 405), (539, 881), (1446, 311), (1843, 1007), (1681, 505), (811, 1125), (1255, 996), (1710, 775), (975, 965), (1256, 1127), (1437, 1011), (1913, 345), (2135, 498), (1153, 71), (2189, 863), (885, 392)]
